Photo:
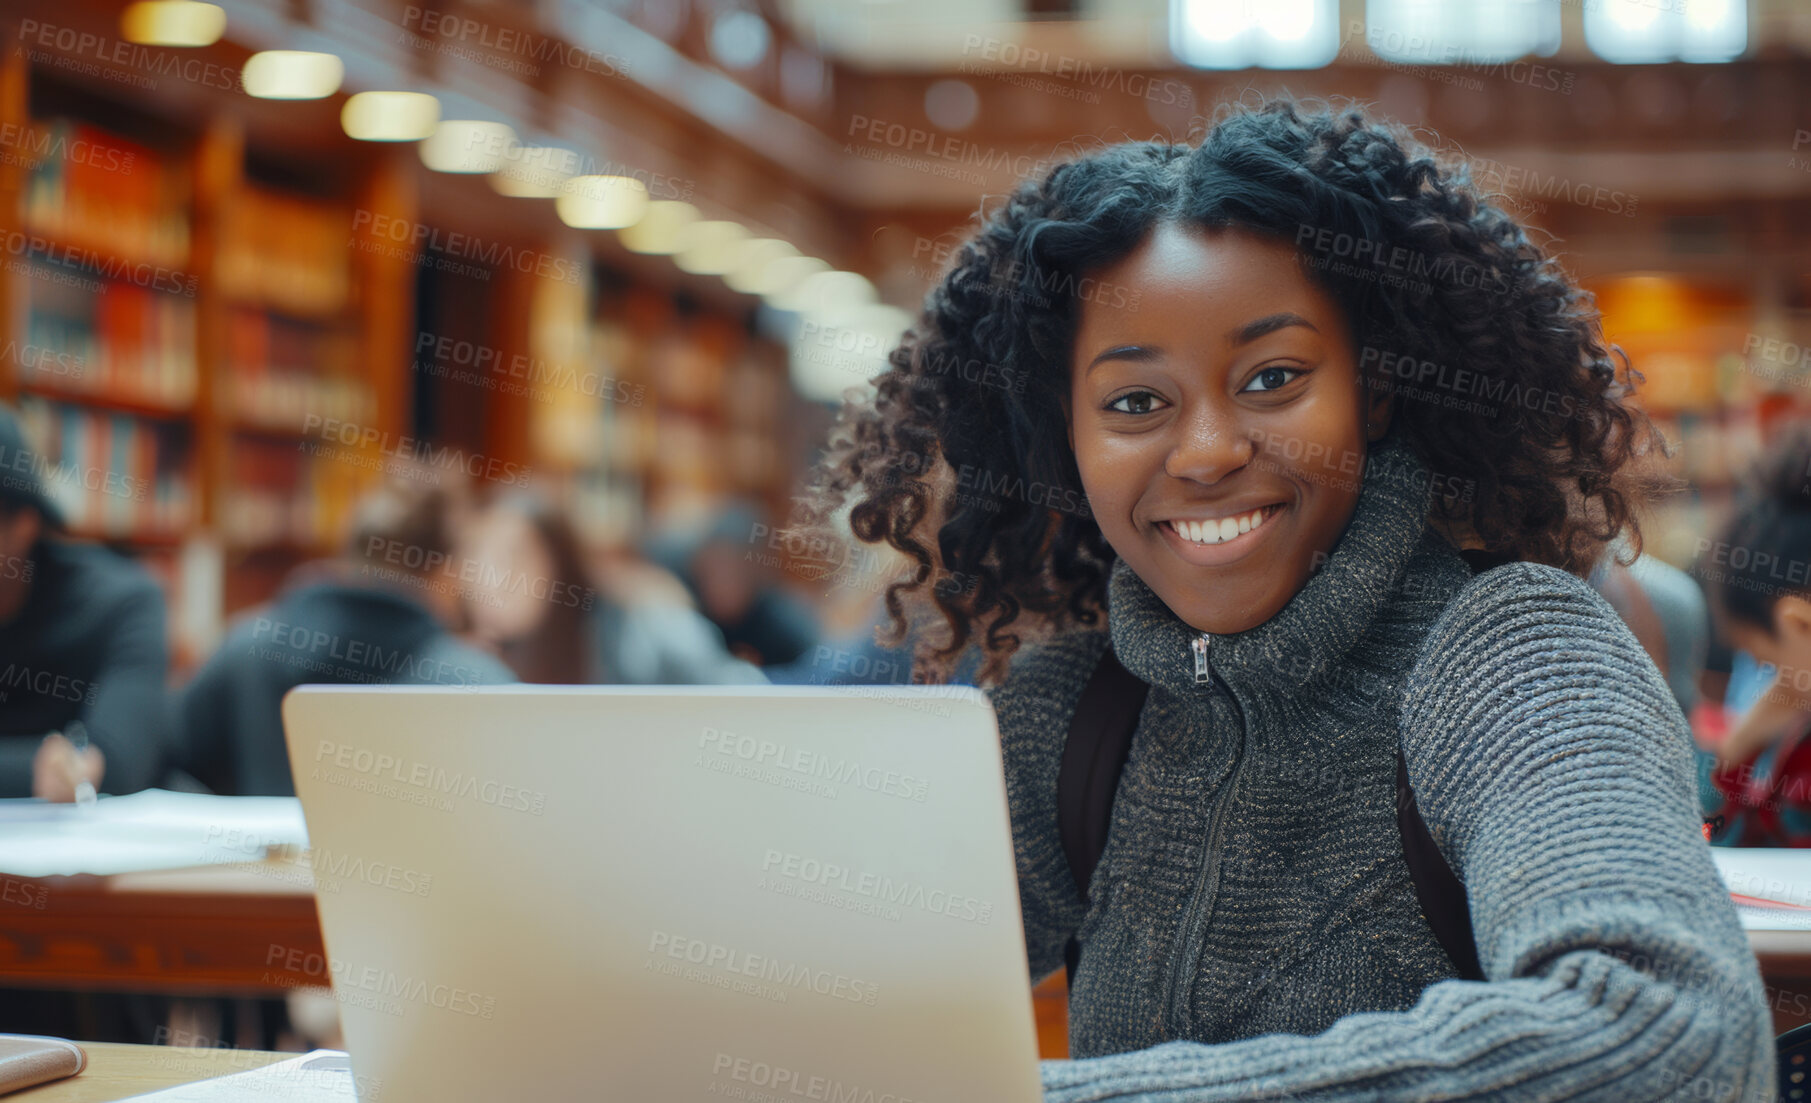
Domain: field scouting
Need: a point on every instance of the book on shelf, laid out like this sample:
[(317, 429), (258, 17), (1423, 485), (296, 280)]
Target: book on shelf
[(286, 252), (279, 372), (123, 342), (114, 475), (95, 192), (286, 495)]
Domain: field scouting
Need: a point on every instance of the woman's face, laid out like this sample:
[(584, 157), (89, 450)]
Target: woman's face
[(1220, 427), (509, 557)]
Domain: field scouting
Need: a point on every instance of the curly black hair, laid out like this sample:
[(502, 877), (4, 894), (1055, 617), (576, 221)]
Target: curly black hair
[(1429, 272), (1759, 554)]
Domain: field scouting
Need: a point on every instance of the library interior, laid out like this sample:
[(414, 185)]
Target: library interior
[(490, 347)]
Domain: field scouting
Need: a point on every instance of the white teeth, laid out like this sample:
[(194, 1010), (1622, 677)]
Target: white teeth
[(1220, 531)]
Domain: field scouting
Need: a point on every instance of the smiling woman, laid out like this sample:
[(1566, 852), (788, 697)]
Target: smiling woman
[(1318, 566), (1235, 346), (1387, 255)]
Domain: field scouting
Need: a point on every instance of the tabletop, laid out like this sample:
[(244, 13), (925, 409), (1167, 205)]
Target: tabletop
[(121, 1071)]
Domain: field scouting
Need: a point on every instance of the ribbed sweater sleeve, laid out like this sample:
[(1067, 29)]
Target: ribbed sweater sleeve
[(1554, 769)]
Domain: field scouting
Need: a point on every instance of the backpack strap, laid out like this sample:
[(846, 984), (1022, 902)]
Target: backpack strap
[(1100, 739), (1094, 755), (1437, 888)]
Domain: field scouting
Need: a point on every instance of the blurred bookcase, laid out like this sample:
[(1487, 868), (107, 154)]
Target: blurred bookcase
[(1710, 384), (206, 286), (668, 408), (177, 318)]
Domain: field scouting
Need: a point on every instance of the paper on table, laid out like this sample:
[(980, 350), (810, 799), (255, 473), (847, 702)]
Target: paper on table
[(324, 1074), (154, 829), (1781, 876)]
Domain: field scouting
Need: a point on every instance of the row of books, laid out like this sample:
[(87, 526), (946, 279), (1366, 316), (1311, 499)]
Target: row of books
[(297, 494), (94, 191), (283, 401), (113, 475), (122, 342), (280, 371), (685, 415), (286, 252)]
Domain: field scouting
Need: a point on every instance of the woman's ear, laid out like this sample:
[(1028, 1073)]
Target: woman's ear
[(1792, 624)]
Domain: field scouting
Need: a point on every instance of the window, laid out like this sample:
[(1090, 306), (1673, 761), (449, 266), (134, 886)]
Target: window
[(1445, 32), (1645, 31), (1268, 34)]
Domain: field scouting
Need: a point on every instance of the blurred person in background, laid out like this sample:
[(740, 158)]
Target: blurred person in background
[(533, 599), (83, 654), (1755, 569), (382, 613), (724, 566), (1666, 610)]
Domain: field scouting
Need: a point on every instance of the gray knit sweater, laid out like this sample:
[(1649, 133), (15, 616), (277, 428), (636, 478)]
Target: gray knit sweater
[(1254, 933)]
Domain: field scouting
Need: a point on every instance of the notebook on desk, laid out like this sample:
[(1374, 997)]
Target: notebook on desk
[(1771, 887), (672, 894), (323, 1076)]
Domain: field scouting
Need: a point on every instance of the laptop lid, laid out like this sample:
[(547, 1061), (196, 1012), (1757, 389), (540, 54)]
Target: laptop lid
[(708, 893)]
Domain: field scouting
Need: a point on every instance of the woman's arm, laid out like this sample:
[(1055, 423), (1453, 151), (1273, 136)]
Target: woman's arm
[(1551, 764), (1777, 710), (127, 712)]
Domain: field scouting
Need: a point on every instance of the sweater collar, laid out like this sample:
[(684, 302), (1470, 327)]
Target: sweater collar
[(1318, 626)]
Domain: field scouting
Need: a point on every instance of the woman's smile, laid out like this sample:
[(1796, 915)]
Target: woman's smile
[(1214, 539)]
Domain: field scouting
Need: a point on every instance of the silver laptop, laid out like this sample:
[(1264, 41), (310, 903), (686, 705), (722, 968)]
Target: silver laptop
[(666, 894)]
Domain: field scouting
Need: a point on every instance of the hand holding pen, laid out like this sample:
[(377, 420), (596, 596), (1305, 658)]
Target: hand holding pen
[(67, 768), (79, 764)]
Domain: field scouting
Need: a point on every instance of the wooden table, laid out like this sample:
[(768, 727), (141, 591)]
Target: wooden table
[(120, 1072), (209, 931), (227, 930)]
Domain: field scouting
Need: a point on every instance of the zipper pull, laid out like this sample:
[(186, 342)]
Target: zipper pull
[(1199, 646)]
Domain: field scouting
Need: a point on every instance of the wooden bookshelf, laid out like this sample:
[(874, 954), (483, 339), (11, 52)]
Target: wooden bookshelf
[(1708, 384), (288, 297), (663, 407), (172, 327)]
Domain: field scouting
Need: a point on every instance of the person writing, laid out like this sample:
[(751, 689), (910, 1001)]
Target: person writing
[(83, 653), (1755, 568), (1339, 443)]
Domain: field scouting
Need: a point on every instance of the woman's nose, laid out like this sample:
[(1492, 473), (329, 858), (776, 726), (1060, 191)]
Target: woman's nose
[(1208, 446)]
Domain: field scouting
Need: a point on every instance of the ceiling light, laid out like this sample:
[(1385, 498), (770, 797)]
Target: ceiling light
[(740, 39), (172, 23), (292, 75), (467, 145), (783, 275), (710, 248), (661, 229), (390, 116), (754, 261), (535, 172), (601, 202), (827, 292)]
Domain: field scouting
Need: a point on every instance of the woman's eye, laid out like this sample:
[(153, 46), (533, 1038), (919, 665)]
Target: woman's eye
[(1137, 402), (1272, 378)]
